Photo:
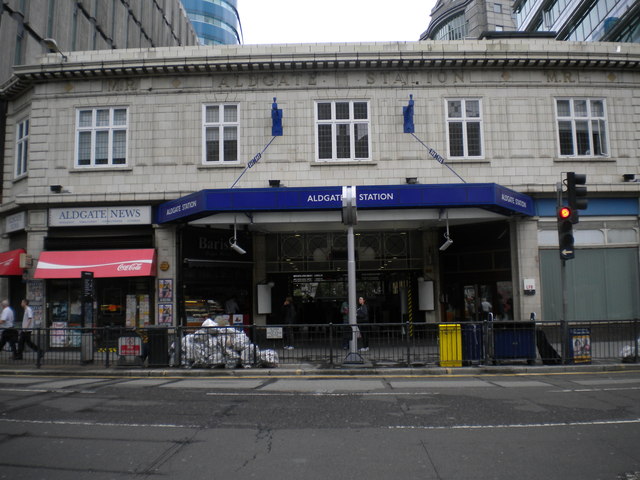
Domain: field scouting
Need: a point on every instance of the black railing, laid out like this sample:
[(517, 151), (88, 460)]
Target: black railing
[(389, 344)]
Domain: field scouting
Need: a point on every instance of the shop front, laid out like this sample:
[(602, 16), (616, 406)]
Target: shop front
[(216, 282), (477, 274), (123, 291)]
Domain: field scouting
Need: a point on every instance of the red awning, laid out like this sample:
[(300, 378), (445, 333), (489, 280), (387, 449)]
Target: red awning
[(10, 262), (103, 263)]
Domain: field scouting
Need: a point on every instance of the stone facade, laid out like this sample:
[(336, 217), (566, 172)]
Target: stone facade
[(164, 90)]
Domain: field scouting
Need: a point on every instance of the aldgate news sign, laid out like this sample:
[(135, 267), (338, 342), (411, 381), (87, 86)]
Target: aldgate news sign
[(95, 216)]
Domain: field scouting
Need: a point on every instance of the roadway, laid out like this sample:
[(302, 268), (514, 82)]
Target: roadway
[(567, 425)]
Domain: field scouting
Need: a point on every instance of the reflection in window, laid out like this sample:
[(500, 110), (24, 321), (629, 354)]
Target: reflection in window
[(220, 133), (343, 130), (582, 129), (101, 137), (464, 127)]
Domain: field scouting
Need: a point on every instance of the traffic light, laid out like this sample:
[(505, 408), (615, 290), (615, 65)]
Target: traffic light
[(565, 233), (576, 193)]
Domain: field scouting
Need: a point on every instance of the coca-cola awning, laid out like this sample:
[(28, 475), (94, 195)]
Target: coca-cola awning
[(103, 263), (10, 262)]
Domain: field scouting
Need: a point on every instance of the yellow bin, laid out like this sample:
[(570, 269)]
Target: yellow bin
[(450, 345)]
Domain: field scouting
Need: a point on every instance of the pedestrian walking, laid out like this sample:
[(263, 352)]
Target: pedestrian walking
[(288, 318), (8, 334), (362, 316), (28, 323)]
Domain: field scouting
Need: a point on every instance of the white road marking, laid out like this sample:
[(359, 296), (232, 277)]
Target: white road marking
[(319, 394), (518, 425), (96, 424)]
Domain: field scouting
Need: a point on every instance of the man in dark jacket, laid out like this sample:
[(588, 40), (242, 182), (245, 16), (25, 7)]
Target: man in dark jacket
[(362, 316), (288, 318)]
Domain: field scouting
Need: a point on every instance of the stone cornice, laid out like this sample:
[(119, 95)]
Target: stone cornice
[(501, 54)]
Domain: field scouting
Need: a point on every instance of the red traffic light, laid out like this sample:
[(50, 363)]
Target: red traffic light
[(564, 213)]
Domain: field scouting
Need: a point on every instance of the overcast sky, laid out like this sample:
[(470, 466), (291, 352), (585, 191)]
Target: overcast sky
[(314, 21)]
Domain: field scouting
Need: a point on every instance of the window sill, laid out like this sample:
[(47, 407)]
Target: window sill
[(583, 159), (459, 160), (221, 165), (334, 163), (106, 168)]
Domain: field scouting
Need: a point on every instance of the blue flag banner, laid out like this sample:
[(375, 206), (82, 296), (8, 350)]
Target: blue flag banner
[(407, 113), (276, 119)]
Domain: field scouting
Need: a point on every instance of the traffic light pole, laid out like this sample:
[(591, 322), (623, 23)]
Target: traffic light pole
[(565, 304), (565, 300)]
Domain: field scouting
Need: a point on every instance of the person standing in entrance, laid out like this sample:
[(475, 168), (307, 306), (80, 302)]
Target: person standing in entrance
[(362, 316), (486, 309), (9, 334), (28, 324), (288, 318)]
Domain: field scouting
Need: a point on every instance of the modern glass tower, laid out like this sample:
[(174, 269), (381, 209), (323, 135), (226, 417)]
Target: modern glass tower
[(581, 20), (217, 22), (459, 19), (573, 20)]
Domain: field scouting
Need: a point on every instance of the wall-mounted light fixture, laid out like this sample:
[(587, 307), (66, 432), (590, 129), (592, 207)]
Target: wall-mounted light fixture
[(411, 180), (53, 47), (55, 188), (233, 243), (274, 183), (447, 243)]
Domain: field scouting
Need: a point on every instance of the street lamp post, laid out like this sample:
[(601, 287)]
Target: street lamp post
[(350, 218)]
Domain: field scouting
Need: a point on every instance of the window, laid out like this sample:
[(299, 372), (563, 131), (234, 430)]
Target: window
[(454, 29), (582, 128), (464, 128), (343, 130), (22, 147), (101, 137), (220, 133)]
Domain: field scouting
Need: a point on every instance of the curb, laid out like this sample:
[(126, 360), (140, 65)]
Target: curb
[(318, 371)]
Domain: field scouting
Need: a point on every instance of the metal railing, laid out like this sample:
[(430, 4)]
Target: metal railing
[(327, 345)]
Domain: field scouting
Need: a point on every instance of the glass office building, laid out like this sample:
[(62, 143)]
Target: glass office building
[(581, 20), (217, 22)]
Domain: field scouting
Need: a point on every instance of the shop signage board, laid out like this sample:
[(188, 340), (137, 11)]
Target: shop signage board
[(101, 263), (481, 195), (96, 216), (10, 262), (129, 346), (15, 222)]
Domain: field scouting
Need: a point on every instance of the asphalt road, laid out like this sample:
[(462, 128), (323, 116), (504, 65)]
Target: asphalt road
[(564, 426)]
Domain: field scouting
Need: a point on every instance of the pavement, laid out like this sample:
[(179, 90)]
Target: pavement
[(310, 370)]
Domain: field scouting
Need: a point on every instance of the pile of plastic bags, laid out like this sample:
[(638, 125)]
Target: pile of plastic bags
[(628, 352), (216, 344)]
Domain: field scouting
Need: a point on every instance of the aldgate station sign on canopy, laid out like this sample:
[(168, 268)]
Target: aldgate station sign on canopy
[(489, 196)]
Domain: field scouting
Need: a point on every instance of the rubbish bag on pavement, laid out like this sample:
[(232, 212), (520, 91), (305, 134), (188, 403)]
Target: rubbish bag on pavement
[(218, 345), (628, 352)]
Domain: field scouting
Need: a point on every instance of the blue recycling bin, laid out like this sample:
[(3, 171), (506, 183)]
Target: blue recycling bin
[(514, 341), (472, 344)]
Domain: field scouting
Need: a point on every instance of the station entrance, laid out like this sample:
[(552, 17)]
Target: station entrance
[(312, 268)]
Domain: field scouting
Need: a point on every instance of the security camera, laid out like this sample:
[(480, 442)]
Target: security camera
[(446, 244), (237, 248)]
